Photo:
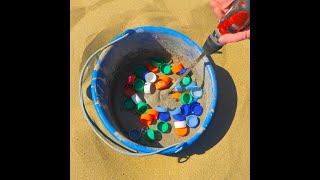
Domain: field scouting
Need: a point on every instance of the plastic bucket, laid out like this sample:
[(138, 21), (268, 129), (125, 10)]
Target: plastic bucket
[(145, 42)]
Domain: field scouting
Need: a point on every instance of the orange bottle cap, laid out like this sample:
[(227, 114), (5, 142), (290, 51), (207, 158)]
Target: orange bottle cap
[(177, 68), (146, 119), (152, 68), (181, 131), (165, 79), (176, 96), (153, 113), (160, 85)]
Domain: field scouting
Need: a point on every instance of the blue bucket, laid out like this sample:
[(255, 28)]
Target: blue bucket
[(139, 42)]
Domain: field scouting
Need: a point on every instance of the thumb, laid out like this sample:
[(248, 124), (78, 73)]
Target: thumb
[(228, 38)]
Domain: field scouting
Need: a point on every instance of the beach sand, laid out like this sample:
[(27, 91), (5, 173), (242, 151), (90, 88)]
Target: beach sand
[(222, 152)]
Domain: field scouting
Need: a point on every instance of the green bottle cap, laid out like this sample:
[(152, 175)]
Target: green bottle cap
[(139, 71), (185, 98), (162, 126), (157, 61), (150, 134), (186, 80), (142, 107), (138, 85), (128, 104), (165, 68)]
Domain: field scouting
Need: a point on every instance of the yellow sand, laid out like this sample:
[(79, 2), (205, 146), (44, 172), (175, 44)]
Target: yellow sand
[(93, 24)]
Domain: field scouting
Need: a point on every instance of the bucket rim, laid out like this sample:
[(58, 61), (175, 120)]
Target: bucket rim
[(133, 145)]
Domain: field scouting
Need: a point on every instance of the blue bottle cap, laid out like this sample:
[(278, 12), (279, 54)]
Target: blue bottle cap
[(164, 116), (198, 110), (177, 110), (183, 70), (161, 109), (191, 85), (185, 110), (195, 99), (192, 105), (178, 117), (179, 88), (134, 134), (144, 75), (192, 121), (196, 92)]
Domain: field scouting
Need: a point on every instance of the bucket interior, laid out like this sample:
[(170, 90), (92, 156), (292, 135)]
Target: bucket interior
[(138, 49)]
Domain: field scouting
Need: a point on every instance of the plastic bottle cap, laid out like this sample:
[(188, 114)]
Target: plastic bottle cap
[(180, 124), (147, 88), (176, 95), (181, 131), (134, 134), (138, 85), (177, 110), (157, 61), (139, 71), (196, 92), (160, 85), (176, 68), (128, 104), (152, 68), (150, 134), (131, 79), (178, 88), (153, 113), (193, 104), (164, 78), (151, 77), (162, 126), (191, 85), (192, 121), (186, 80), (161, 109), (185, 110), (142, 107), (164, 116), (144, 75), (178, 117), (146, 119), (136, 99), (128, 91), (165, 68), (185, 98), (198, 110), (183, 71)]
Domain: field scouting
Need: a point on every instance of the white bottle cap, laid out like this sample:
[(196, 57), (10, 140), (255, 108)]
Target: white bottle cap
[(135, 98), (147, 88), (151, 77), (180, 124)]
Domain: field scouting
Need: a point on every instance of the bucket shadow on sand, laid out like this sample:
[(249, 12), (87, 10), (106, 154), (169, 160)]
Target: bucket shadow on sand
[(222, 119)]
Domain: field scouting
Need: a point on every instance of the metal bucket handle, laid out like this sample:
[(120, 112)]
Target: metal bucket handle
[(95, 127)]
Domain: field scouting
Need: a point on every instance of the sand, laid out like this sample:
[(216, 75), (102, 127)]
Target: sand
[(222, 152)]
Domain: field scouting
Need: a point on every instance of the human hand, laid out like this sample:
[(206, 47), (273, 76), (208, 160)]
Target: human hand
[(220, 7)]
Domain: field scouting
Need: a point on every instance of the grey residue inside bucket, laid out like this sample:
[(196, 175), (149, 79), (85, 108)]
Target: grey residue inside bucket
[(137, 49)]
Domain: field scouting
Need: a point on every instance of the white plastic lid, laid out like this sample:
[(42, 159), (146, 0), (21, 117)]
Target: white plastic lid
[(180, 124), (147, 88), (135, 98), (151, 77)]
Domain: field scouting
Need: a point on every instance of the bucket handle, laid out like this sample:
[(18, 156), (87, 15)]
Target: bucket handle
[(95, 127)]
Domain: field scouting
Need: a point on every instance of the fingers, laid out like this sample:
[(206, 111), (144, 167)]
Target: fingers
[(228, 38), (220, 7)]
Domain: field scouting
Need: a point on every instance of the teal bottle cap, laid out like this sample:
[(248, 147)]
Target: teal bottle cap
[(138, 85), (150, 134), (165, 68), (139, 71), (142, 107), (186, 80), (128, 104), (162, 126), (185, 98)]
